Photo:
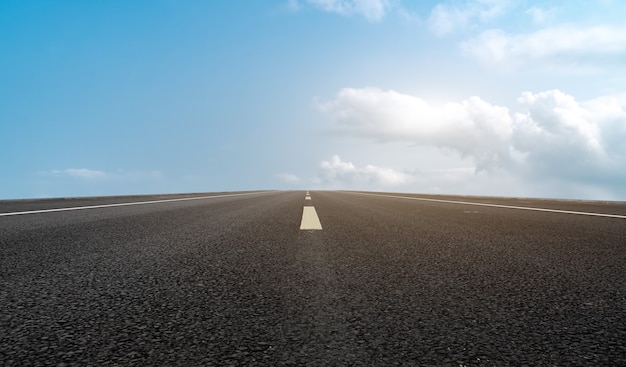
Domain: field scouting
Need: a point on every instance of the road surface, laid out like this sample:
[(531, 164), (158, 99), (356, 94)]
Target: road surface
[(230, 279)]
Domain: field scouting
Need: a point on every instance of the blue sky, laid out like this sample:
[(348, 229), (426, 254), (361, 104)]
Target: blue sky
[(480, 97)]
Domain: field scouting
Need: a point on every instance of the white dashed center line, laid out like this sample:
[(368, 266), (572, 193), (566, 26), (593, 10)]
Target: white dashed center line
[(310, 220)]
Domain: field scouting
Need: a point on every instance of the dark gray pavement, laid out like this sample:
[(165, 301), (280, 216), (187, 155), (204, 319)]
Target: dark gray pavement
[(388, 281)]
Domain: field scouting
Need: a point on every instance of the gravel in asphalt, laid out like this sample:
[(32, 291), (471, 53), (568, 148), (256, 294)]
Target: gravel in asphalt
[(233, 281)]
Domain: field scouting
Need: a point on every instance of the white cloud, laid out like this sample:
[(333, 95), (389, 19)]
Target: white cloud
[(372, 10), (569, 139), (551, 136), (337, 171), (473, 128), (81, 173), (95, 175), (288, 178), (339, 174), (556, 122), (446, 18), (539, 15), (574, 47)]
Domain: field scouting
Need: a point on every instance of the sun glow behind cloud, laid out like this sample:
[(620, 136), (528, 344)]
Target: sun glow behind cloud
[(544, 137), (550, 135)]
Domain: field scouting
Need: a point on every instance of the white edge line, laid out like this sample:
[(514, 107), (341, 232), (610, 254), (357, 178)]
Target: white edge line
[(496, 205), (123, 204)]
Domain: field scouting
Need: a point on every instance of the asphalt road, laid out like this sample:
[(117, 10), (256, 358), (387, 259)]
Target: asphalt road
[(232, 280)]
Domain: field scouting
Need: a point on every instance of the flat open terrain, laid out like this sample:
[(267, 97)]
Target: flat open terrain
[(233, 280)]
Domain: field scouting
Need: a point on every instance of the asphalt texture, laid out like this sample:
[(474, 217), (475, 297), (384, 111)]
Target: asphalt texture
[(232, 281)]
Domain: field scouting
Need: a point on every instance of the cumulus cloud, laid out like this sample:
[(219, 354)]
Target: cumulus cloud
[(448, 18), (372, 10), (336, 171), (566, 138), (565, 45), (473, 128), (81, 173), (551, 135)]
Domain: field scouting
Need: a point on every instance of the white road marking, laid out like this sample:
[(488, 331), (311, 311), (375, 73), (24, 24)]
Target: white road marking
[(499, 206), (310, 219), (123, 204), (307, 197)]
